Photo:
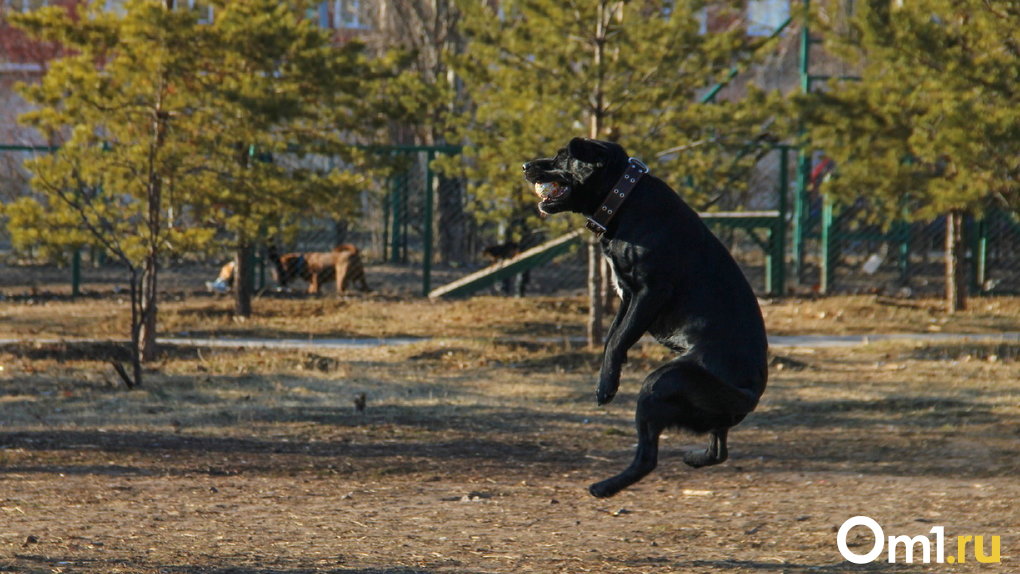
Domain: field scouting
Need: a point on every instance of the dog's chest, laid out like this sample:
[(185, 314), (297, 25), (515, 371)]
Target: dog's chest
[(614, 278)]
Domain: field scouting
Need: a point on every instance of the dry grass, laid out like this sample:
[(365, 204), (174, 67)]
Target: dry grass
[(483, 317), (311, 317), (864, 314), (476, 445)]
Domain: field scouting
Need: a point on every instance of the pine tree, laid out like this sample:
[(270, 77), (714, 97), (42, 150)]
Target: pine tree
[(542, 71), (277, 104), (110, 106), (932, 126), (172, 130), (429, 96)]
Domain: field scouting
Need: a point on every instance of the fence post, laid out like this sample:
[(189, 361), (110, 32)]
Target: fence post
[(800, 210), (828, 271), (426, 281), (777, 255), (804, 155), (76, 273), (979, 237), (397, 186)]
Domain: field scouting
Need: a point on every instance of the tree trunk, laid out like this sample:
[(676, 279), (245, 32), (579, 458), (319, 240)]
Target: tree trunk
[(147, 321), (341, 229), (595, 311), (136, 335), (244, 279), (956, 280), (596, 295), (154, 198)]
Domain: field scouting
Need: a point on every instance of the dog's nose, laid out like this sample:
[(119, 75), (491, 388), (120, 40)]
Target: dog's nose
[(525, 166)]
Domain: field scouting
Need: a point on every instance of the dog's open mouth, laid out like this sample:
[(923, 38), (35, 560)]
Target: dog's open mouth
[(550, 190)]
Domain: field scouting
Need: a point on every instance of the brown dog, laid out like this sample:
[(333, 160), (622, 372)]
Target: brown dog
[(343, 264)]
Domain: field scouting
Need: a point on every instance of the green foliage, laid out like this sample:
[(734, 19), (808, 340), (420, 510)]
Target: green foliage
[(173, 132), (109, 105), (933, 125), (277, 105), (542, 71), (48, 236)]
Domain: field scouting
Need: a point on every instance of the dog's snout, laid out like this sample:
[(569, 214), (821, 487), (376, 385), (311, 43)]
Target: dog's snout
[(525, 166)]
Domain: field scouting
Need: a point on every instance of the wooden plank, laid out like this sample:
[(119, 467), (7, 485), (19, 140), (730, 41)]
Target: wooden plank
[(542, 254), (534, 257), (739, 214)]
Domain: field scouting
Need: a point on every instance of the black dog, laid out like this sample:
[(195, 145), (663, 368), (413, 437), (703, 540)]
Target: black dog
[(677, 282)]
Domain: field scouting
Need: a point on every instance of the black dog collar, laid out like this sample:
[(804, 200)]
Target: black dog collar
[(598, 222)]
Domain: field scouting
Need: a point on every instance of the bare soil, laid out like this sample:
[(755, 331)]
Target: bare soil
[(477, 444)]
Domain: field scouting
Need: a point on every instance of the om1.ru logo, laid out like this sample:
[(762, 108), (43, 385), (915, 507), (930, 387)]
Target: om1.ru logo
[(909, 544)]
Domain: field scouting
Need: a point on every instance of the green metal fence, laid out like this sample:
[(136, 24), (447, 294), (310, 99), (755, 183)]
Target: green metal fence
[(424, 212), (418, 232), (907, 258)]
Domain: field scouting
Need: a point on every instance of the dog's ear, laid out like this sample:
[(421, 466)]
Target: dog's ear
[(588, 156), (587, 150)]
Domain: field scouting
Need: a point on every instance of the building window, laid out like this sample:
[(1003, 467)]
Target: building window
[(343, 14), (702, 17), (24, 5), (115, 6), (202, 9), (765, 16), (347, 14)]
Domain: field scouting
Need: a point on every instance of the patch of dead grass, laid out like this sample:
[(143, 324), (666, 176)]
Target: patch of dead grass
[(527, 319), (472, 455), (862, 314)]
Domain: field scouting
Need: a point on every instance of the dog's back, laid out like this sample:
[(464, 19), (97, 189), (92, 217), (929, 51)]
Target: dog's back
[(502, 251), (317, 267), (713, 315)]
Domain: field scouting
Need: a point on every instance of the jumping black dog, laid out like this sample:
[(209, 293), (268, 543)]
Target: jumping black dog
[(678, 283)]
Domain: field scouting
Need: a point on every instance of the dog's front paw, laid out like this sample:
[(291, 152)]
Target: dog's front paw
[(609, 382), (604, 395)]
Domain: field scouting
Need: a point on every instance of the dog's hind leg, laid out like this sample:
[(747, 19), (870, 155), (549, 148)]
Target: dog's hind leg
[(645, 460), (680, 394), (655, 411), (715, 453), (341, 272)]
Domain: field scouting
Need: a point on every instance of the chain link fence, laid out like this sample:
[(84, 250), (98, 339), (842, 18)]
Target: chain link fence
[(857, 255), (462, 242), (419, 230)]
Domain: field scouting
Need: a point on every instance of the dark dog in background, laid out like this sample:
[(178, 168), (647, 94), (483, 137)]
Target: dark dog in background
[(676, 282), (343, 264), (518, 284), (497, 253)]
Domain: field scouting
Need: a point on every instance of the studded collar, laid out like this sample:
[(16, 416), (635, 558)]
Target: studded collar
[(599, 221)]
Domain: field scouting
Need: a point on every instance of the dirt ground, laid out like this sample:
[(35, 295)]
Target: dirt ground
[(476, 445)]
